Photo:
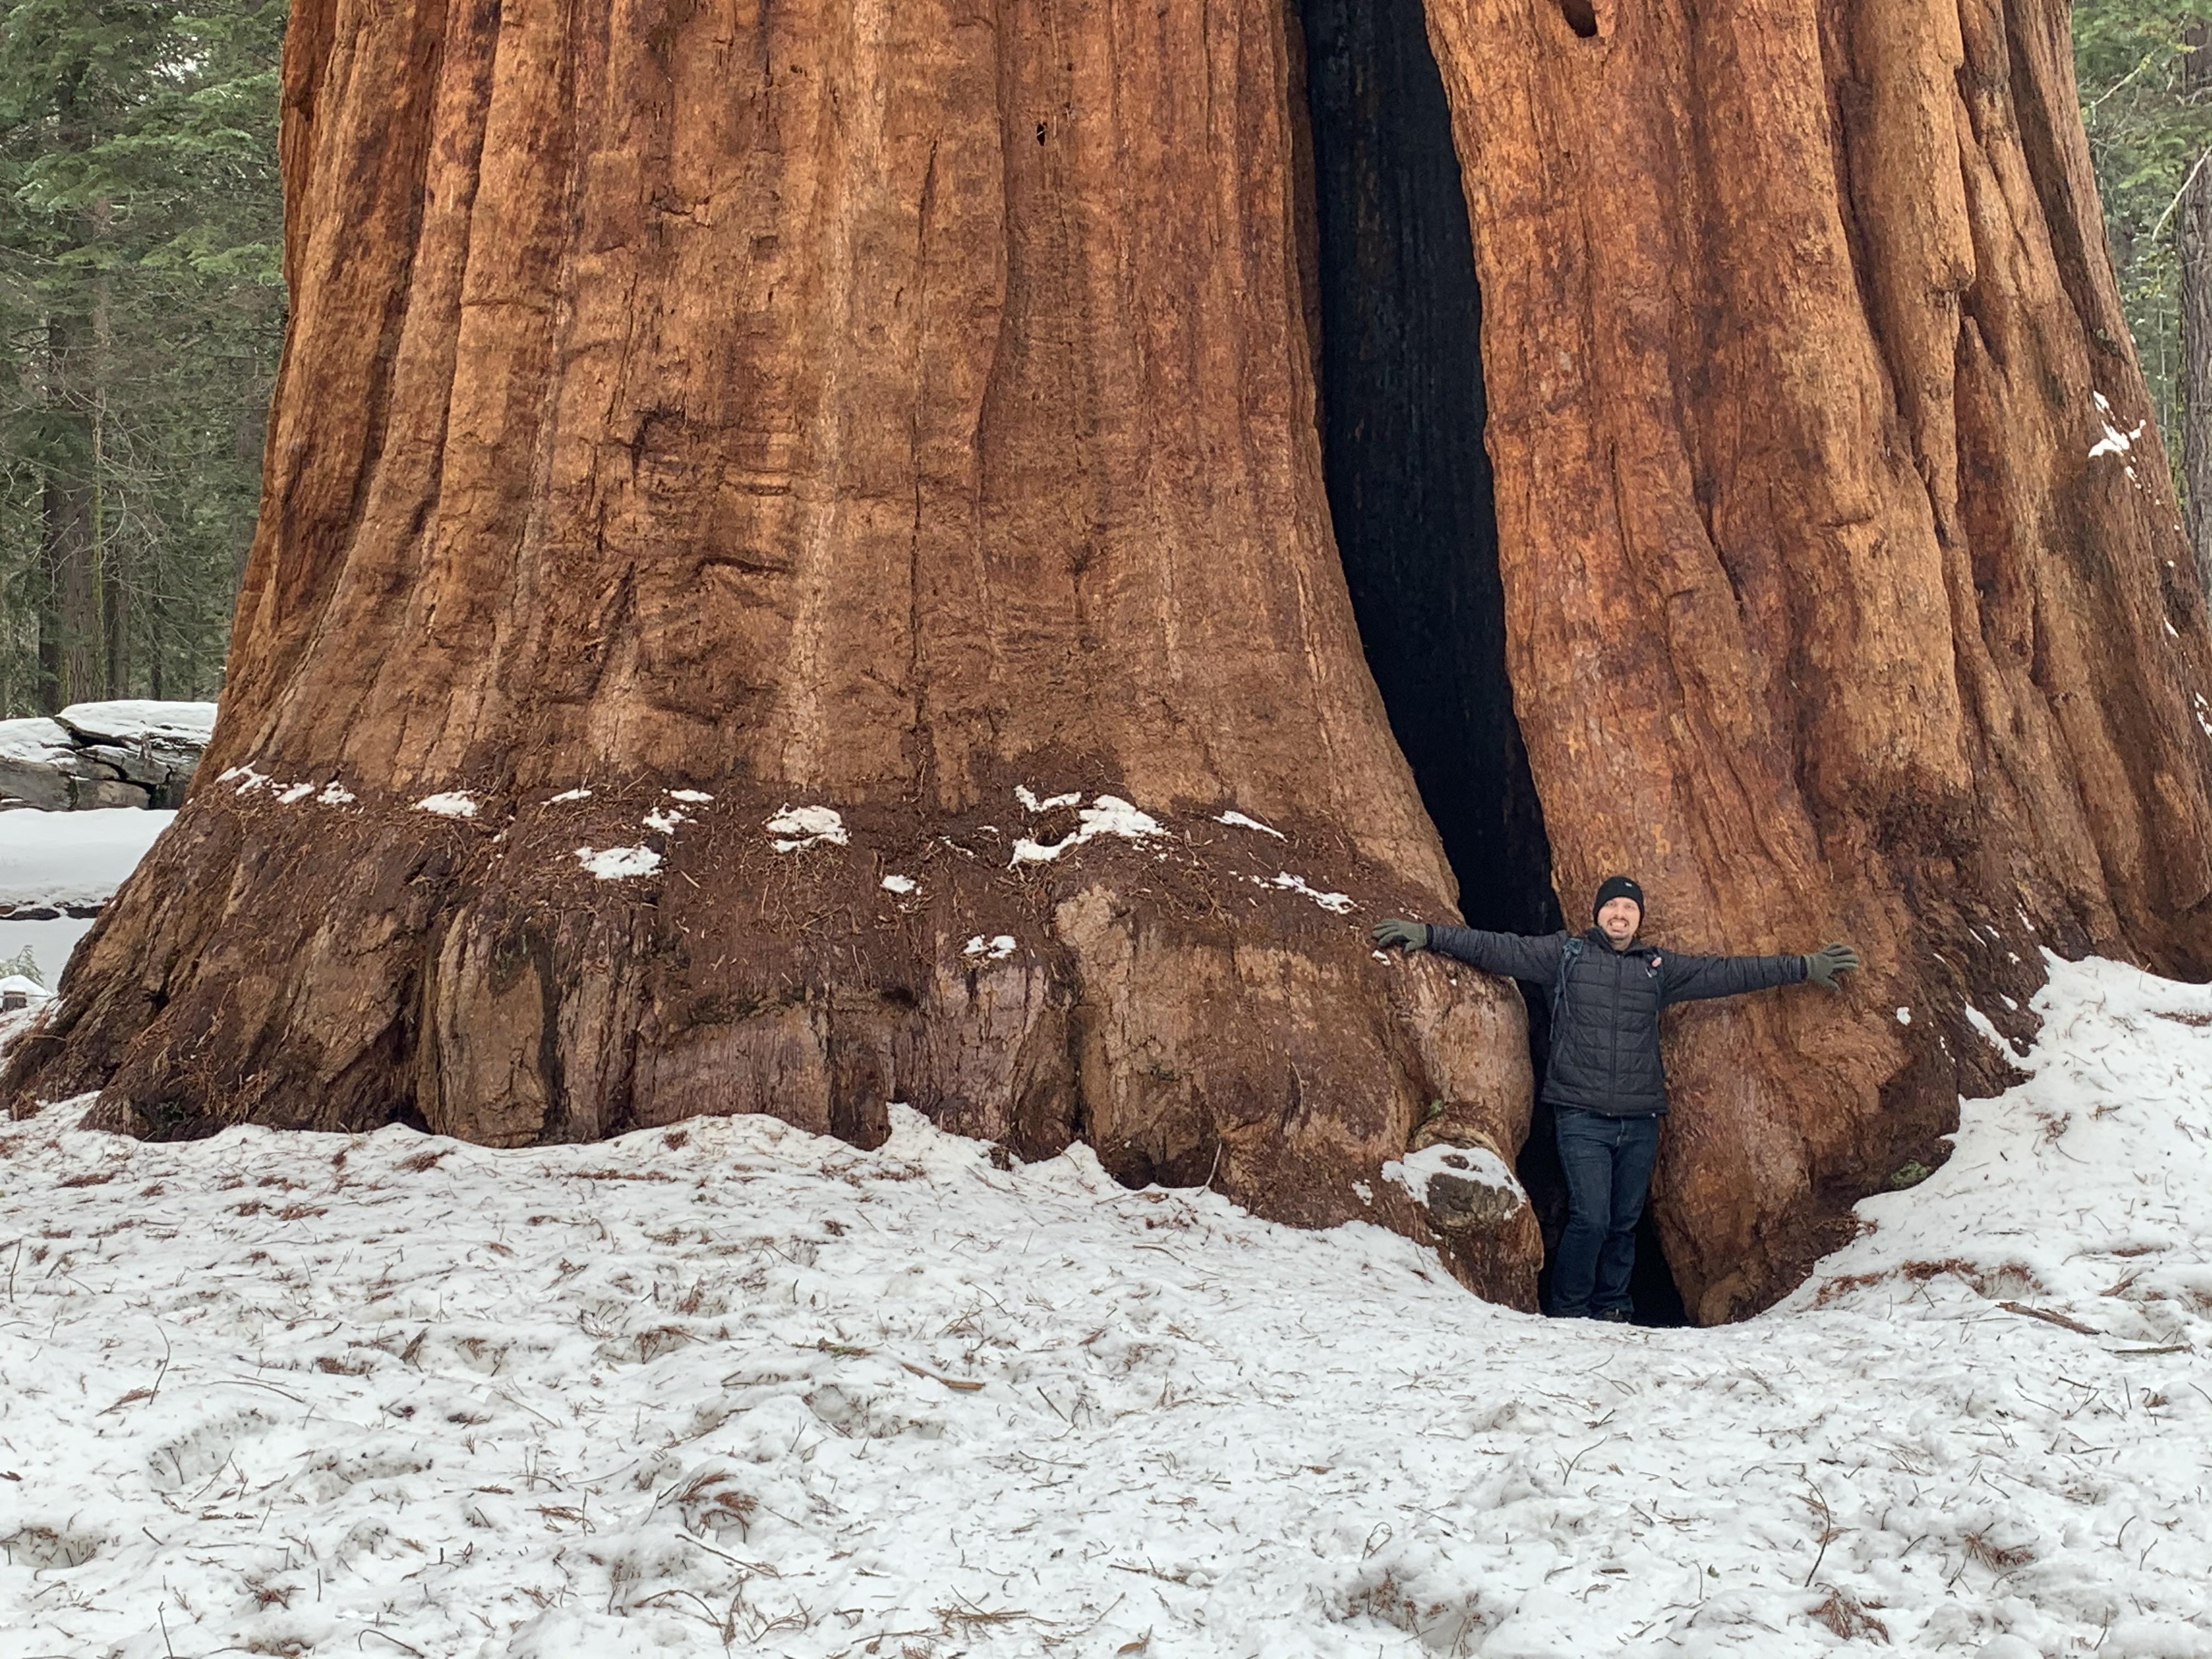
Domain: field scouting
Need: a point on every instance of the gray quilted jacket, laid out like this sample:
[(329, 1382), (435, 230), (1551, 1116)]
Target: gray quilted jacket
[(1605, 1038)]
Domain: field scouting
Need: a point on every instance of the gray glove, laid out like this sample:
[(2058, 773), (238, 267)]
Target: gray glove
[(1822, 966), (1414, 935)]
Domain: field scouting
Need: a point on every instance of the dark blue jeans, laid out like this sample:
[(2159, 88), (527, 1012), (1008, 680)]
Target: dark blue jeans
[(1608, 1165)]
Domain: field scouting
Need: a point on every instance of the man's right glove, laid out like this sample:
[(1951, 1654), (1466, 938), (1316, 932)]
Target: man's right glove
[(1414, 935), (1822, 966)]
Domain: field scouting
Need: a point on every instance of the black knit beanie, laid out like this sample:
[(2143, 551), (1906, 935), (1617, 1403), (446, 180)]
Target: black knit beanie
[(1614, 887)]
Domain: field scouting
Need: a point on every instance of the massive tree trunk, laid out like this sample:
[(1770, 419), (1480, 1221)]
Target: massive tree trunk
[(886, 411), (911, 412), (1843, 589)]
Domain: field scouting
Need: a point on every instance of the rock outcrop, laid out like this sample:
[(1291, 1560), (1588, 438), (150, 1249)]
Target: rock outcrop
[(129, 753)]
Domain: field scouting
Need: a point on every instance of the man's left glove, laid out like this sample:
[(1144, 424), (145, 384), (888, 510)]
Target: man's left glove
[(1822, 966), (1414, 935)]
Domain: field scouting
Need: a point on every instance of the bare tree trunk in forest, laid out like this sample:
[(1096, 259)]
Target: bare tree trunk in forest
[(1844, 595), (67, 528), (882, 412), (912, 415), (111, 577), (2193, 233)]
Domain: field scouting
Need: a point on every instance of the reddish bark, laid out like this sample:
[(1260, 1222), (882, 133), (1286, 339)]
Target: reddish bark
[(1831, 609), (880, 407)]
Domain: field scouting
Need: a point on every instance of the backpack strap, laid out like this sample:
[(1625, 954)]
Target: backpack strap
[(1571, 950)]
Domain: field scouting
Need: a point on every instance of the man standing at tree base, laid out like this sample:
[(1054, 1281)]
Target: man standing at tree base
[(1604, 1081)]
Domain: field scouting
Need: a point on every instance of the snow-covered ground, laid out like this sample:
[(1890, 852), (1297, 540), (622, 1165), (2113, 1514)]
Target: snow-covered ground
[(730, 1387), (66, 858), (73, 858)]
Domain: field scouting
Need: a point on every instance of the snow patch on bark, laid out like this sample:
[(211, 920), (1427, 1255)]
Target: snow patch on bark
[(1339, 904), (990, 949), (901, 884), (802, 827), (577, 793), (1030, 802), (690, 797), (1238, 820), (618, 863), (2115, 441), (245, 779), (1108, 815), (452, 804)]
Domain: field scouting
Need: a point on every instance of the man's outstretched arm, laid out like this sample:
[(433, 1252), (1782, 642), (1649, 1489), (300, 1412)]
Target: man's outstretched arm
[(1689, 978), (1511, 954)]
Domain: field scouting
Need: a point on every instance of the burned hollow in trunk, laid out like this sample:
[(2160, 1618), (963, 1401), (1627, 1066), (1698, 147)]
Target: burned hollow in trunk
[(1399, 364)]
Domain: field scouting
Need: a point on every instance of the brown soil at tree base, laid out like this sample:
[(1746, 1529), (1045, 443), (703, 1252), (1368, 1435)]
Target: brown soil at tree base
[(1167, 999)]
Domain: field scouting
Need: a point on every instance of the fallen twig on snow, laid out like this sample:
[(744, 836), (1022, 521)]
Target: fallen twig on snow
[(2059, 1319)]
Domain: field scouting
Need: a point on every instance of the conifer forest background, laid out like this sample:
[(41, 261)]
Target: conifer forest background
[(143, 309)]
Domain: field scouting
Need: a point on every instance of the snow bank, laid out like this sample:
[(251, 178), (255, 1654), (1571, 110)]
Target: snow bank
[(735, 1389), (73, 858)]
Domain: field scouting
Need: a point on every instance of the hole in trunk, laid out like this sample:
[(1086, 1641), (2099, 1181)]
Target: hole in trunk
[(1581, 15), (1399, 369)]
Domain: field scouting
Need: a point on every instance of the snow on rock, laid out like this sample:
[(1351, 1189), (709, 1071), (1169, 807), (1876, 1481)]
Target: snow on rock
[(80, 761), (1477, 1164), (1341, 903), (37, 739), (454, 804), (1108, 815), (22, 985), (618, 863), (129, 721), (1238, 820), (73, 858), (801, 827), (734, 1388)]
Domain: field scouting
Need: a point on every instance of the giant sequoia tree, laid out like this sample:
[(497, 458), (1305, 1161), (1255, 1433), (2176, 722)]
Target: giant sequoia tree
[(911, 413)]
